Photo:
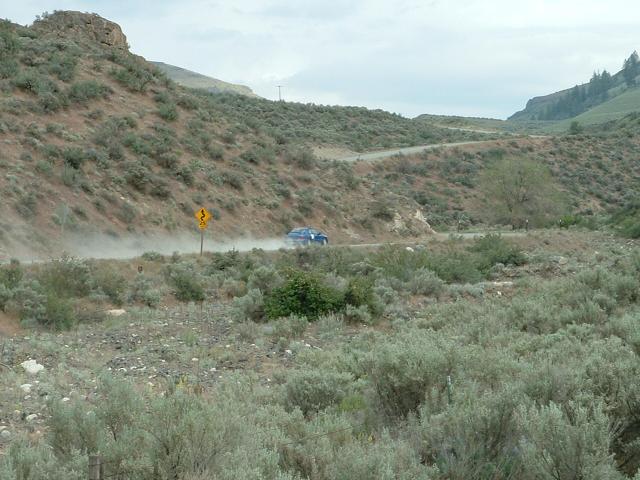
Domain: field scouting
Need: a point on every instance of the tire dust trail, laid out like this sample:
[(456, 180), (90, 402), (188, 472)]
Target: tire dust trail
[(102, 247)]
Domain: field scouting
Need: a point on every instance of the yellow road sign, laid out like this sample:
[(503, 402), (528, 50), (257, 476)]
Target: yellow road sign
[(203, 216)]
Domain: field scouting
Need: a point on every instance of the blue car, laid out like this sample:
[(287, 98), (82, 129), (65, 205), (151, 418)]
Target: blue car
[(306, 236)]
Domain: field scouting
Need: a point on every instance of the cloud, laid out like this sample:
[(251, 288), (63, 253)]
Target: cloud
[(410, 56)]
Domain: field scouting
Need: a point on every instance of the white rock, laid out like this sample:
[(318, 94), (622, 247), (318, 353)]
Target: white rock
[(32, 417), (32, 367), (288, 352), (5, 435), (65, 399), (409, 249), (26, 387), (116, 312)]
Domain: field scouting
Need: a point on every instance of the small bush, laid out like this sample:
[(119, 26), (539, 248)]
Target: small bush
[(493, 249), (82, 92), (357, 315), (303, 293), (168, 112), (109, 281), (314, 390), (249, 307), (11, 275), (186, 282), (426, 282), (455, 267), (66, 277), (74, 157), (264, 278), (289, 327), (138, 175), (142, 290), (134, 76)]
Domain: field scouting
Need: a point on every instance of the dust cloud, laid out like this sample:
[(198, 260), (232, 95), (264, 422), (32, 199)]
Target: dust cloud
[(123, 247)]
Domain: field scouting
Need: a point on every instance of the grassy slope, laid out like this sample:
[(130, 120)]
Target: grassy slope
[(613, 109), (190, 79)]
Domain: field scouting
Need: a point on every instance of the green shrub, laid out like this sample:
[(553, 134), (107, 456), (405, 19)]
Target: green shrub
[(480, 427), (143, 291), (456, 267), (186, 282), (185, 175), (134, 76), (301, 157), (168, 112), (63, 66), (314, 390), (138, 175), (627, 220), (566, 441), (493, 249), (9, 68), (302, 293), (74, 157), (249, 307), (264, 278), (11, 275), (59, 312), (407, 370), (425, 282), (108, 280), (82, 92), (66, 277), (357, 315), (289, 327)]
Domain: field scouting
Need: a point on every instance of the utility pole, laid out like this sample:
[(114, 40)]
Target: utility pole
[(279, 92)]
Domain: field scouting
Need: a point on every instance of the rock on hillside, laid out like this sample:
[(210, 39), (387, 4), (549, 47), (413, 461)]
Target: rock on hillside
[(87, 26)]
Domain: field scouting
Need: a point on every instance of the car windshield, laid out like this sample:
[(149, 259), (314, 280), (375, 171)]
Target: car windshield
[(297, 230)]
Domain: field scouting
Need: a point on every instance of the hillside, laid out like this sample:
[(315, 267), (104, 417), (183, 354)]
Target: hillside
[(100, 147), (583, 99), (98, 143), (190, 79), (613, 109)]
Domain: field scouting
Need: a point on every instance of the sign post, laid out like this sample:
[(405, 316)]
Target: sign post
[(203, 216)]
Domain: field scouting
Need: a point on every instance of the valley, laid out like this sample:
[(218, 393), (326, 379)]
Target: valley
[(474, 315)]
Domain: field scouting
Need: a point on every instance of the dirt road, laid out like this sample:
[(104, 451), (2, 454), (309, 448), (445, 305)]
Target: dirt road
[(379, 155), (370, 156)]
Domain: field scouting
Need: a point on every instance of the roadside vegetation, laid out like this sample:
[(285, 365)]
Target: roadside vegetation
[(486, 358)]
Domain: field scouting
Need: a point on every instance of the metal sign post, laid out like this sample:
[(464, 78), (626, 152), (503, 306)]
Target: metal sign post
[(203, 216)]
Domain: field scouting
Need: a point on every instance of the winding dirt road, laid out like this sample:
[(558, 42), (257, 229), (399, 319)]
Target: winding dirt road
[(382, 154), (370, 156)]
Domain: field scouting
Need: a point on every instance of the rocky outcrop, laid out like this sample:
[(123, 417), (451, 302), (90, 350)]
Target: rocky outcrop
[(88, 26), (416, 224)]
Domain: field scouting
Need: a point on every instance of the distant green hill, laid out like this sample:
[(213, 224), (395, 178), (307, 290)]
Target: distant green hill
[(190, 79), (588, 99), (616, 108)]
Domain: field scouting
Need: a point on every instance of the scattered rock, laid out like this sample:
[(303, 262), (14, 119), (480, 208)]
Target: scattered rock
[(116, 312), (32, 367), (32, 417), (5, 435), (26, 387)]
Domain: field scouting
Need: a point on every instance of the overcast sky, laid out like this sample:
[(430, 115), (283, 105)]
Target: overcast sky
[(459, 57)]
